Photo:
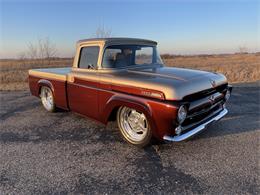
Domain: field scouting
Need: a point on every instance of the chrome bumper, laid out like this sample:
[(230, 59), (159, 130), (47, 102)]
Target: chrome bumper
[(197, 129)]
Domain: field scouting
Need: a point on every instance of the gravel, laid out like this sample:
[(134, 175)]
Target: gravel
[(64, 153)]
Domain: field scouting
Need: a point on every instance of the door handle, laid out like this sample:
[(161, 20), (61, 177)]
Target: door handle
[(71, 79)]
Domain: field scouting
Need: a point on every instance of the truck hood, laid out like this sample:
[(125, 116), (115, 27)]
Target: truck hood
[(175, 83), (180, 74)]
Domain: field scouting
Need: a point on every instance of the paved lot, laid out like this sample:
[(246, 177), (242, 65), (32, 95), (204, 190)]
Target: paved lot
[(63, 153)]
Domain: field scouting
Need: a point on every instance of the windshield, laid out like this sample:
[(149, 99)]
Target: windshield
[(120, 56)]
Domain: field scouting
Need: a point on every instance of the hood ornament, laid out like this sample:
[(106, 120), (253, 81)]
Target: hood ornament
[(213, 83)]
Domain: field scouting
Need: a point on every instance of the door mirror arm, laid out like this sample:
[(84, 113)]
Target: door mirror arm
[(91, 66)]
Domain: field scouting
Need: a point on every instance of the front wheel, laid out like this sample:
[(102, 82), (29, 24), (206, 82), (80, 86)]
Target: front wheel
[(47, 99), (134, 126)]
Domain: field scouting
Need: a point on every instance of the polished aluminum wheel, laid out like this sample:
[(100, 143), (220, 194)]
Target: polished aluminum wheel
[(47, 98), (134, 124)]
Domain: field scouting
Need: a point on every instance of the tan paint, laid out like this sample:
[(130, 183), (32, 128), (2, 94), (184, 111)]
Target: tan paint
[(174, 83), (173, 88), (51, 73), (80, 45), (102, 43)]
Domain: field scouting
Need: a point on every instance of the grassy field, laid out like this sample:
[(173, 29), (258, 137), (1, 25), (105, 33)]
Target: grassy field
[(236, 67), (14, 73)]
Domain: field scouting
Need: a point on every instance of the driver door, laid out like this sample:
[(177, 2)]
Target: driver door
[(82, 88)]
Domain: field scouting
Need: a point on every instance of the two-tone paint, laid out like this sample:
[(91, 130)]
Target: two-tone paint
[(155, 90), (100, 101)]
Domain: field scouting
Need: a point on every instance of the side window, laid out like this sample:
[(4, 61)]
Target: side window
[(88, 57), (109, 57)]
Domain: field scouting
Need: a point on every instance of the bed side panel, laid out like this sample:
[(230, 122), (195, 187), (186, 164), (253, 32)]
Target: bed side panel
[(59, 89), (33, 85)]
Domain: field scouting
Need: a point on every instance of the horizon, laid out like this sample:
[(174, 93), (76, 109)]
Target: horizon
[(179, 27), (163, 55)]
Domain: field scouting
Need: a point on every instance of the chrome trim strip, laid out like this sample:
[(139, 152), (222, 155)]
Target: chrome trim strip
[(196, 130)]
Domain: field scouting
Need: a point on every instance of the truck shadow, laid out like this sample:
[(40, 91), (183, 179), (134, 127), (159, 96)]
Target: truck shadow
[(149, 177), (93, 133)]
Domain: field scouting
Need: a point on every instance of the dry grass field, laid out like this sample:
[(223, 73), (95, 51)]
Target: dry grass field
[(14, 73), (236, 67)]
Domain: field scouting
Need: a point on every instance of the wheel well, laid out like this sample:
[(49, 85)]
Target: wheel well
[(40, 87), (39, 92), (112, 116), (45, 83)]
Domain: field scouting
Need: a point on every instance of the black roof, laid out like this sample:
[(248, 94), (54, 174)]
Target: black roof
[(118, 39)]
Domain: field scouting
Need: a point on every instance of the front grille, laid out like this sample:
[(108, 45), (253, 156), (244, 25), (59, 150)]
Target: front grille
[(205, 93), (204, 103), (198, 116)]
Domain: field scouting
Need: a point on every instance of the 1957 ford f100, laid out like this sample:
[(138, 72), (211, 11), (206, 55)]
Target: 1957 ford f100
[(124, 79)]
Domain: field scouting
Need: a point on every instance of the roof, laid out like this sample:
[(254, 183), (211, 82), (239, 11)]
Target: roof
[(116, 40)]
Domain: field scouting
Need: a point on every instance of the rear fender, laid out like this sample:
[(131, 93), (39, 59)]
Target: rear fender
[(46, 83)]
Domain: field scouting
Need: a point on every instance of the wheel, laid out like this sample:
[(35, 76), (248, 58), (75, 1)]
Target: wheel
[(47, 99), (134, 126)]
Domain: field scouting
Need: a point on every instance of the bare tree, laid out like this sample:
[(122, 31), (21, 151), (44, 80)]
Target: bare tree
[(243, 50), (49, 49), (40, 49), (102, 32), (22, 57), (43, 49), (32, 51)]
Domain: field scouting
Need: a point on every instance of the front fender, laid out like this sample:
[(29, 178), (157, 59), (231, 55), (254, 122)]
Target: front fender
[(134, 102)]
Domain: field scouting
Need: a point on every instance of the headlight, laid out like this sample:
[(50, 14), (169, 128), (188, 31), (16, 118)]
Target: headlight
[(227, 96), (182, 114)]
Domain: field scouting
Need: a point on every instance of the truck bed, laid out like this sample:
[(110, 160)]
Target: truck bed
[(55, 79), (51, 73)]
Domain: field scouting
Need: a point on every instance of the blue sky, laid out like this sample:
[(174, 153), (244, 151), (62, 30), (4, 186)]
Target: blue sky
[(180, 27)]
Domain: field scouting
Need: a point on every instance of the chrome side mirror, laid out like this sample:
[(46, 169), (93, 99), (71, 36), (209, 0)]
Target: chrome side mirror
[(91, 66)]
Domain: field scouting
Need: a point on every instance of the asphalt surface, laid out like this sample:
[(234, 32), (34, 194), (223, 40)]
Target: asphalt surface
[(63, 153)]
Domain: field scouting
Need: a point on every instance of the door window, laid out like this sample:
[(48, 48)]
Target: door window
[(88, 57)]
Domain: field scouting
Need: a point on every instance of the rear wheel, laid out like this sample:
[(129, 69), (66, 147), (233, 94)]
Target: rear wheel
[(134, 126), (47, 99)]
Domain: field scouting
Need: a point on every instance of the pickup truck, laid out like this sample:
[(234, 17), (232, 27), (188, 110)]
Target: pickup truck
[(125, 80)]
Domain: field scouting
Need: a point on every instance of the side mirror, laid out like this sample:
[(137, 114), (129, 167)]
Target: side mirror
[(91, 66)]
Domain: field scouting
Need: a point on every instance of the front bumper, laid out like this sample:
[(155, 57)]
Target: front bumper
[(197, 129)]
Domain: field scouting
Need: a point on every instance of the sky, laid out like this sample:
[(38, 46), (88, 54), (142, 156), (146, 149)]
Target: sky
[(180, 27)]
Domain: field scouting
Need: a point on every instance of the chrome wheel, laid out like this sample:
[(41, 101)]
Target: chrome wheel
[(133, 124), (47, 98)]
